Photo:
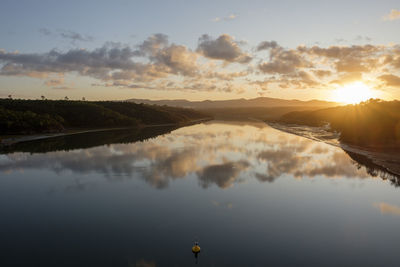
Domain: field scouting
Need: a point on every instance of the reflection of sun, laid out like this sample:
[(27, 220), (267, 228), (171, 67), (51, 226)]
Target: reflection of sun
[(353, 93)]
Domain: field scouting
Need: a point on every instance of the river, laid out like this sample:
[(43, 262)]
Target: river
[(251, 195)]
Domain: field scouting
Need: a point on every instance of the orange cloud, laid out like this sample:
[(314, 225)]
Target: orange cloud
[(393, 15), (157, 64), (390, 80)]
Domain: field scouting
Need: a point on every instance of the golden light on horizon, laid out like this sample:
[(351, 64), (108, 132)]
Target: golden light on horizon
[(353, 93)]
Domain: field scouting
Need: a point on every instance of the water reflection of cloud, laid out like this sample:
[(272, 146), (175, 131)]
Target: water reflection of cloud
[(386, 208), (218, 154), (223, 205), (223, 175), (265, 177), (144, 263), (177, 165), (282, 161), (78, 186), (304, 160)]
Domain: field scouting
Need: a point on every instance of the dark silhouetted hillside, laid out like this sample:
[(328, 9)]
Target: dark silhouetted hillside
[(371, 123), (39, 116)]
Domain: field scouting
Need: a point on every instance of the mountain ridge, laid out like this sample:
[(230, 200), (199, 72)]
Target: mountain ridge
[(237, 103)]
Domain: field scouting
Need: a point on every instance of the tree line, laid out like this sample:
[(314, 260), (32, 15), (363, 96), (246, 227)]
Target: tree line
[(39, 116)]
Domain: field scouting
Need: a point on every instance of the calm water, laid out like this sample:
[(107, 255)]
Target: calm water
[(251, 195)]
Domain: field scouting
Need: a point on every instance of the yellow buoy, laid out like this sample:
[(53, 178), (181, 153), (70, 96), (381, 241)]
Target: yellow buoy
[(196, 248)]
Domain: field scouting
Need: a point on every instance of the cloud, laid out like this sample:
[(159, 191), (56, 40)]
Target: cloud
[(45, 31), (74, 36), (267, 45), (178, 59), (340, 52), (227, 18), (351, 64), (230, 17), (158, 64), (61, 88), (152, 44), (340, 40), (112, 62), (392, 60), (11, 69), (168, 58), (306, 67), (223, 48), (55, 81), (363, 38), (322, 73), (390, 80), (282, 66), (281, 61), (289, 67), (66, 34), (94, 63), (393, 15)]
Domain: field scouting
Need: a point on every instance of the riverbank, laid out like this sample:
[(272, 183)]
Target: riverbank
[(386, 158), (13, 139)]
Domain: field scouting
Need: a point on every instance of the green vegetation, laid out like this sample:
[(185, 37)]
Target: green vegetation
[(153, 114), (40, 116), (27, 121), (371, 123)]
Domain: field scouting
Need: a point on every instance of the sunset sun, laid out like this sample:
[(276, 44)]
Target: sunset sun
[(353, 93)]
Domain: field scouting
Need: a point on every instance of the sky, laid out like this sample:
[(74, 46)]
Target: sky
[(115, 50)]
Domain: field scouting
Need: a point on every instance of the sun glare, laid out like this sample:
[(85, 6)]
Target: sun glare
[(353, 93)]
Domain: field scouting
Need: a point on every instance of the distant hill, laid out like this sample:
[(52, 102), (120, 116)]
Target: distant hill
[(265, 102)]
